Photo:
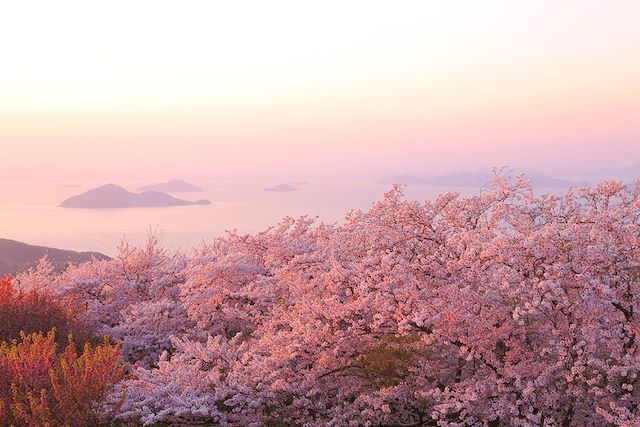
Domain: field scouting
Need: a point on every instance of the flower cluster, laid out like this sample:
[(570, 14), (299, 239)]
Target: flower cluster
[(505, 308)]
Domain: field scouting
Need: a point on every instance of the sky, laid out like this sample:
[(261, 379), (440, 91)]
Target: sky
[(222, 89)]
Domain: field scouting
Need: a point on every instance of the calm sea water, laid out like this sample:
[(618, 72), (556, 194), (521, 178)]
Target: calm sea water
[(29, 211)]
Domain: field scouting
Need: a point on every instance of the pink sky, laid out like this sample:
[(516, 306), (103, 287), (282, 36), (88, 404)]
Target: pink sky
[(217, 90)]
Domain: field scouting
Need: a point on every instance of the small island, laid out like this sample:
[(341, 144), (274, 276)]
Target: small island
[(403, 180), (175, 186), (283, 188), (111, 196), (479, 179), (473, 179)]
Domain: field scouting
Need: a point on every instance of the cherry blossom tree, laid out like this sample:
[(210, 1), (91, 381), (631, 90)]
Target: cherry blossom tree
[(503, 308), (132, 298)]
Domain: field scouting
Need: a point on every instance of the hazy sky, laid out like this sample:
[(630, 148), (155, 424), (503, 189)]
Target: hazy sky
[(293, 88)]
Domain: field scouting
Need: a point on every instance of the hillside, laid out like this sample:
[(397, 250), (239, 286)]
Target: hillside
[(17, 256)]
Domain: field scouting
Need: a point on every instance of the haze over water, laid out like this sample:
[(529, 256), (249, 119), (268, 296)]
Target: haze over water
[(34, 217), (33, 214)]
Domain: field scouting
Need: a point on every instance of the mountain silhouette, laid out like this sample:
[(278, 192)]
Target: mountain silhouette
[(111, 196)]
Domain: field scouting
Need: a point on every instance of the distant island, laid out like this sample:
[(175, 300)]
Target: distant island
[(473, 179), (111, 196), (17, 256), (175, 186), (403, 179), (627, 173), (282, 188), (630, 173)]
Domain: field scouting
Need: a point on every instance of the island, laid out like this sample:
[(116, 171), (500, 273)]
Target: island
[(479, 179), (111, 196), (282, 188), (17, 256), (474, 179), (175, 186), (403, 180)]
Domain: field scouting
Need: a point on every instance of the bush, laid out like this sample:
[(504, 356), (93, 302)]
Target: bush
[(36, 311), (40, 386)]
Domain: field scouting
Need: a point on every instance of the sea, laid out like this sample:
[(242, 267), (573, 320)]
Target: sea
[(30, 212)]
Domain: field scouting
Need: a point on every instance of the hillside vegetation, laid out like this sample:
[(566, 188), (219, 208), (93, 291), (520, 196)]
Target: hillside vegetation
[(501, 309), (17, 256)]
